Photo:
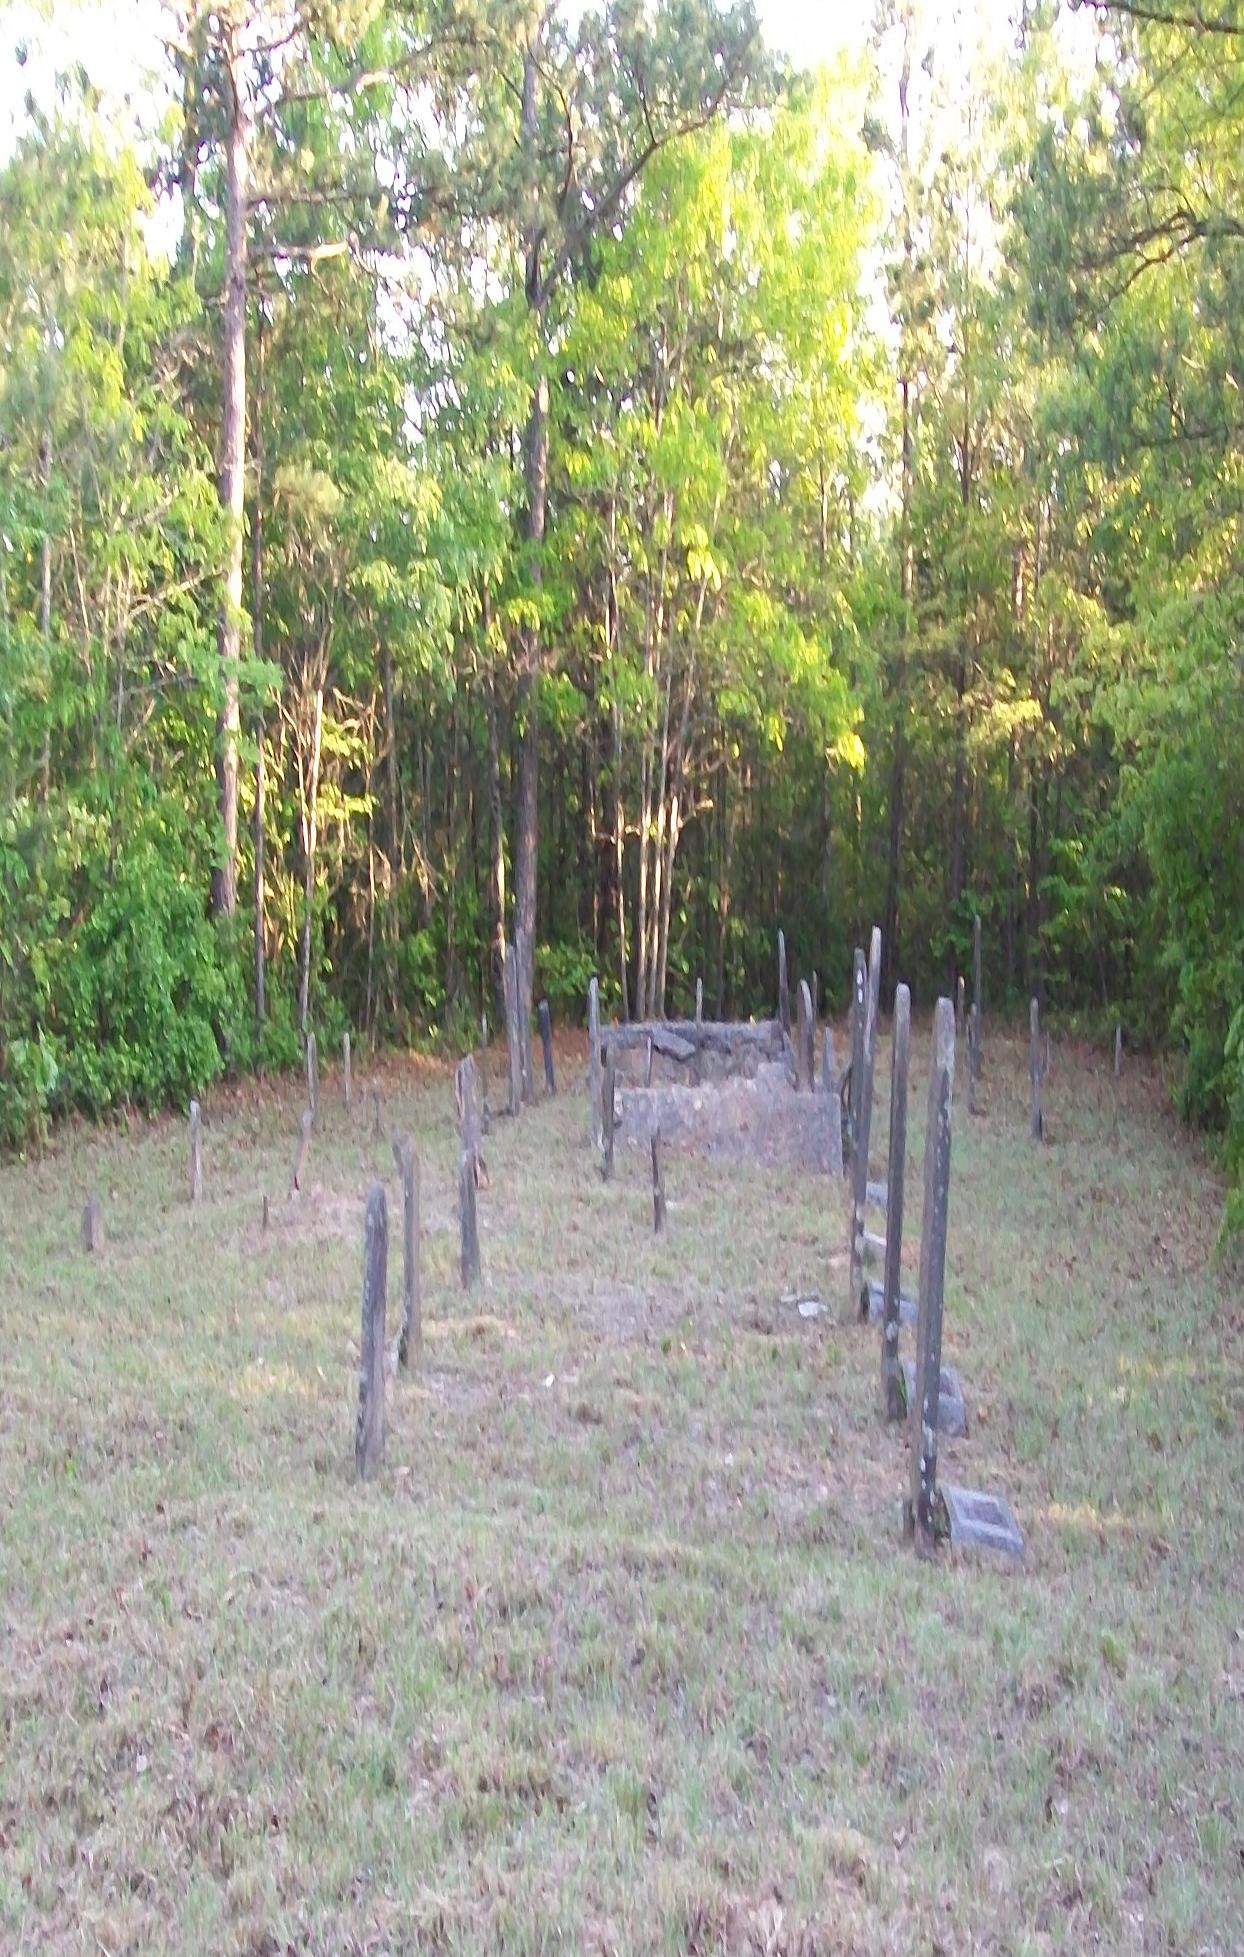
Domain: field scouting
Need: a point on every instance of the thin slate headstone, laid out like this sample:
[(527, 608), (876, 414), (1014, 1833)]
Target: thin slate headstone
[(92, 1224), (976, 1520), (859, 1023), (196, 1153), (783, 986), (891, 1399), (921, 1507), (546, 1042), (805, 1047), (313, 1082), (300, 1157), (1035, 1070), (960, 1006), (594, 1074), (874, 974), (859, 1156), (468, 1223), (699, 1001), (872, 1303), (513, 1034), (369, 1426), (347, 1083), (609, 1112), (410, 1336), (658, 1186), (833, 1101), (466, 1104), (952, 1411)]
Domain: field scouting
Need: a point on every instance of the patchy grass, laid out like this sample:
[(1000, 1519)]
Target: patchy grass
[(623, 1652)]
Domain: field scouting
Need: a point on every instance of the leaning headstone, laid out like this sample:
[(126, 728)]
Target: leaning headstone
[(921, 1508), (196, 1153), (312, 1077), (859, 1023), (369, 1427), (783, 985), (658, 1186), (833, 1101), (93, 1224), (468, 1263), (546, 1042), (526, 969), (805, 1047), (859, 1154), (1037, 1127), (304, 1143), (347, 1083), (594, 1076), (410, 1336), (609, 1112), (891, 1395), (466, 1105), (513, 1034)]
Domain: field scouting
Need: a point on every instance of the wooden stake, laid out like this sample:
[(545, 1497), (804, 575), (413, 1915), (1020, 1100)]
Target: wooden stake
[(93, 1224), (546, 1042), (468, 1223)]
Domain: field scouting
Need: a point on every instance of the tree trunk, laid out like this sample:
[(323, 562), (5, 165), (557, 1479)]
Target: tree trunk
[(496, 876), (310, 834), (257, 624), (536, 462), (232, 475)]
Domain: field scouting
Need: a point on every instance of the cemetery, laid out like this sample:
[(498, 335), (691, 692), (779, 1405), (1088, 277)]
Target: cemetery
[(594, 1488)]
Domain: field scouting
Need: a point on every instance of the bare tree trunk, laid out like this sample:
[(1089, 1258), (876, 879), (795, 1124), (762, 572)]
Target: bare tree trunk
[(536, 462), (310, 836), (232, 472), (496, 880), (257, 624)]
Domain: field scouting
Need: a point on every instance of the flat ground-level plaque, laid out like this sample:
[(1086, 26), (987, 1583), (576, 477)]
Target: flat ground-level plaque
[(976, 1520), (872, 1304), (952, 1412)]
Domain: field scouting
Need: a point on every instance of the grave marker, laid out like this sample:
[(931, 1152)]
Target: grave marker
[(609, 1110), (300, 1158), (347, 1083), (891, 1397), (546, 1042), (921, 1516), (960, 1006), (468, 1222), (369, 1427), (859, 1022), (93, 1224), (874, 973), (466, 1105), (593, 1065), (196, 1153), (410, 1336), (863, 1135), (783, 986), (1118, 1051), (377, 1129), (699, 1001), (805, 1064), (833, 1100)]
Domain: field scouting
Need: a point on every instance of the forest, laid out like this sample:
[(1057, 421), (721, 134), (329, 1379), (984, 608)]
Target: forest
[(477, 463)]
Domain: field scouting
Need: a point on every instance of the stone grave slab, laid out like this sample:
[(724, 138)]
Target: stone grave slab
[(952, 1413), (872, 1304), (976, 1520)]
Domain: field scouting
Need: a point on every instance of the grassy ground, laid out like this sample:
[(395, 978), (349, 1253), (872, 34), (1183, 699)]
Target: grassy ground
[(623, 1652)]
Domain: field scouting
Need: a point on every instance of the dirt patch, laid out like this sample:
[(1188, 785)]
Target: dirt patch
[(761, 1119)]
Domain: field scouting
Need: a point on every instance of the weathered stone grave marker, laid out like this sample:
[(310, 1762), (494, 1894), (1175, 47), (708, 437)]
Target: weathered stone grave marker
[(546, 1042), (196, 1153), (369, 1426), (92, 1224), (658, 1186), (921, 1516), (976, 1520), (805, 1063), (859, 1023), (594, 1081), (960, 999), (347, 1083), (833, 1100), (699, 1000), (783, 986), (300, 1157), (468, 1222), (609, 1112), (466, 1106), (860, 1240), (1035, 1070), (891, 1396), (410, 1336)]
